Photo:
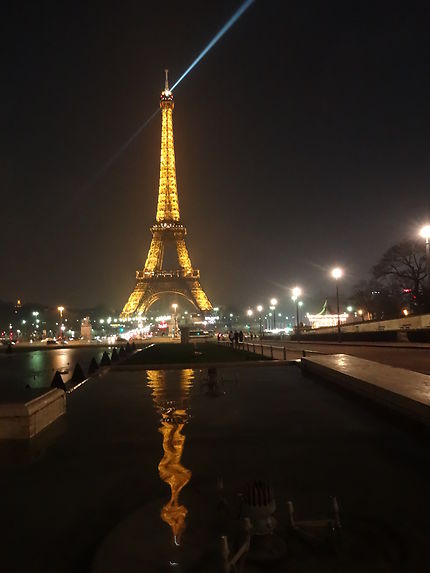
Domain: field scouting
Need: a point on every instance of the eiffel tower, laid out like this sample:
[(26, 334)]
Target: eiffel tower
[(154, 282)]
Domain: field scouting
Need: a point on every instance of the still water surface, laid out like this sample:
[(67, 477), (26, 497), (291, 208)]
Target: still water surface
[(37, 368)]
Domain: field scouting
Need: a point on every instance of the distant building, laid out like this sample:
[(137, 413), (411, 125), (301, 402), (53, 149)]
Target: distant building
[(86, 329), (326, 317)]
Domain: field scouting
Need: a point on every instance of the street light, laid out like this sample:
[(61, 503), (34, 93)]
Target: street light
[(175, 306), (274, 302), (259, 310), (297, 291), (249, 313), (337, 273), (425, 234), (61, 310)]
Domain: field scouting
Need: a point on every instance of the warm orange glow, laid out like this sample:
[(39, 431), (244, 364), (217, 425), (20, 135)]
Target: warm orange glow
[(173, 420), (167, 229), (168, 205)]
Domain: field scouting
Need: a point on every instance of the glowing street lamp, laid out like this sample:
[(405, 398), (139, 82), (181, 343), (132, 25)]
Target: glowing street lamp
[(249, 313), (337, 273), (273, 302), (425, 234), (259, 310), (61, 310), (297, 291), (175, 307)]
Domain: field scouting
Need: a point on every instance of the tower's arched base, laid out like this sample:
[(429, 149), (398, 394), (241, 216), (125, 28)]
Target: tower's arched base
[(150, 288)]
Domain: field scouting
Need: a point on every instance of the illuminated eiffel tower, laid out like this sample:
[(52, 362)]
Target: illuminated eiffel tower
[(153, 281)]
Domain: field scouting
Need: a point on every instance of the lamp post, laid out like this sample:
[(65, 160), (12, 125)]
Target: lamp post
[(273, 302), (425, 234), (249, 313), (297, 291), (175, 307), (61, 310), (337, 273), (35, 323), (259, 310)]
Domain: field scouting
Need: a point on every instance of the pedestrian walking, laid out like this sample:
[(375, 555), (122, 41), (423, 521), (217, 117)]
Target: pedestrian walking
[(231, 337), (240, 336)]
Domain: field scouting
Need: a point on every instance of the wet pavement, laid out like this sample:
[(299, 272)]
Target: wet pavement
[(130, 481), (412, 357)]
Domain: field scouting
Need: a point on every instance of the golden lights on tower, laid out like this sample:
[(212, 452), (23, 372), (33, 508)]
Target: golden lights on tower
[(152, 282), (168, 205)]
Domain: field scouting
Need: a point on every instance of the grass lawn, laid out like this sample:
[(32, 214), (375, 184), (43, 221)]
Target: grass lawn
[(171, 353)]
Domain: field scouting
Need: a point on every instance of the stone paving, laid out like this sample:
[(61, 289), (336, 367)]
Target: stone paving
[(410, 356), (404, 391)]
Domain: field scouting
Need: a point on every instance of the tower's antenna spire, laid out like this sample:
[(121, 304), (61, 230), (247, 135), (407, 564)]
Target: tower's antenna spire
[(166, 81)]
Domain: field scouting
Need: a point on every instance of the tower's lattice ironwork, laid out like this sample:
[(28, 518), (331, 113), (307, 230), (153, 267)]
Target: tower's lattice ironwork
[(153, 281)]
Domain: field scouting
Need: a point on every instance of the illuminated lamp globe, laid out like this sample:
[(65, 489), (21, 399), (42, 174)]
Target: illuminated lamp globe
[(297, 291), (273, 301), (259, 308), (425, 232), (249, 312), (337, 273)]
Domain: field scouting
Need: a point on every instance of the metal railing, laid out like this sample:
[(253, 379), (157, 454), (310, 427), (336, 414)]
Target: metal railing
[(270, 351)]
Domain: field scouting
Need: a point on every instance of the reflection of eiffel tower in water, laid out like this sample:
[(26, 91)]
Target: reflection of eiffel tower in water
[(170, 402), (153, 281)]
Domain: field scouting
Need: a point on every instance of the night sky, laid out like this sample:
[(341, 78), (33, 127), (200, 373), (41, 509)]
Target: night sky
[(302, 141)]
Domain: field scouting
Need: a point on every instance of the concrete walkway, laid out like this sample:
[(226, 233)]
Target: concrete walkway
[(402, 390), (409, 356)]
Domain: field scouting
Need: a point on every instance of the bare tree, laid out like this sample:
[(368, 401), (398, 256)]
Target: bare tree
[(406, 264), (381, 301)]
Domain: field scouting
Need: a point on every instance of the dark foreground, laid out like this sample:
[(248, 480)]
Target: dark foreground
[(128, 480)]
